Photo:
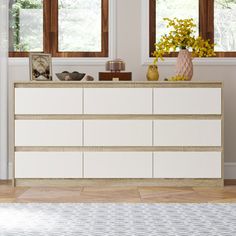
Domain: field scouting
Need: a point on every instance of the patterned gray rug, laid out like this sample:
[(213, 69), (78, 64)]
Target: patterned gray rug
[(118, 219)]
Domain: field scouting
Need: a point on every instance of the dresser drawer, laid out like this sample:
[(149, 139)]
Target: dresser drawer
[(187, 101), (187, 133), (117, 165), (48, 133), (117, 133), (117, 101), (48, 165), (48, 101), (187, 165)]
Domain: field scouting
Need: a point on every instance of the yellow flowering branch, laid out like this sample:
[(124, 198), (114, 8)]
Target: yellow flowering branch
[(182, 36)]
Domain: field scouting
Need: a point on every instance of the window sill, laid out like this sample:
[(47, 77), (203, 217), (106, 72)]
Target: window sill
[(17, 61), (62, 61), (220, 61)]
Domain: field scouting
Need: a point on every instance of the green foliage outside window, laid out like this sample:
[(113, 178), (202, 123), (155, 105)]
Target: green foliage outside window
[(16, 7)]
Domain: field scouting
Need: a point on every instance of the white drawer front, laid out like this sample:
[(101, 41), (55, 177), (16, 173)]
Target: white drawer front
[(187, 165), (187, 133), (118, 101), (48, 165), (117, 165), (48, 101), (48, 133), (117, 133), (187, 101)]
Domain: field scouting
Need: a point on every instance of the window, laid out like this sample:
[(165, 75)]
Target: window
[(216, 20), (225, 25), (64, 28), (26, 26)]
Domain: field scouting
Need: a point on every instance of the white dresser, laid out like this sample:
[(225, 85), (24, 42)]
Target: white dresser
[(142, 133)]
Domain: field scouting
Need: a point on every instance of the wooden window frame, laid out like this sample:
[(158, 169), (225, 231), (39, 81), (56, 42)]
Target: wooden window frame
[(206, 26), (50, 33)]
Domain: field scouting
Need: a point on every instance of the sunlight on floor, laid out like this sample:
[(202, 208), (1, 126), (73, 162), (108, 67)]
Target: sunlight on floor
[(19, 219)]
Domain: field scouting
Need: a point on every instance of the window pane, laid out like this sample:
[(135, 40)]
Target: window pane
[(80, 25), (175, 8), (225, 25), (26, 25)]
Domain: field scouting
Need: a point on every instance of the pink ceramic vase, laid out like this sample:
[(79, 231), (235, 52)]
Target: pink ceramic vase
[(184, 66)]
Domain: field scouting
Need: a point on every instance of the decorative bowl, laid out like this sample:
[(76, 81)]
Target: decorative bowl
[(66, 76)]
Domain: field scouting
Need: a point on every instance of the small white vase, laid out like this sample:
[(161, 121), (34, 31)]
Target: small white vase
[(184, 66)]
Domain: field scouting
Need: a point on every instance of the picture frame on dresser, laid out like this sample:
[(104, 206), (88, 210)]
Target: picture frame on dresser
[(40, 66)]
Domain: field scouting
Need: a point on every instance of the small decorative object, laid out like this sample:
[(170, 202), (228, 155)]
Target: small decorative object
[(67, 76), (182, 37), (176, 78), (89, 78), (115, 67), (40, 66), (152, 73), (115, 76)]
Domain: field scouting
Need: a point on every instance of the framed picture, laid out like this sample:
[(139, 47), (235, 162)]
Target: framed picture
[(40, 66)]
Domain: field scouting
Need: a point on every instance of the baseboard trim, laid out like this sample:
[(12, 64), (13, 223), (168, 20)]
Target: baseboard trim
[(10, 170), (230, 170), (230, 182)]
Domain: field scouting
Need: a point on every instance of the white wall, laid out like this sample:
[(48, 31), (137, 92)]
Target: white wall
[(129, 49)]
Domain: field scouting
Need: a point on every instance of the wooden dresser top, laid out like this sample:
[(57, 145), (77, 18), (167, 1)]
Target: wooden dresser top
[(133, 84)]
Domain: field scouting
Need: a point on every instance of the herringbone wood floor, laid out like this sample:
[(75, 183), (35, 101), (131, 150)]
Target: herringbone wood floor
[(118, 194)]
